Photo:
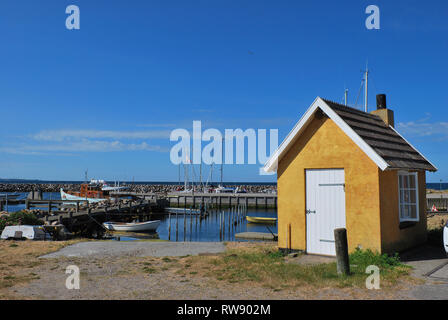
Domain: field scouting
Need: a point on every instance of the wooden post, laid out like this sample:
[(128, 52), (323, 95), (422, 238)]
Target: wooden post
[(169, 226), (49, 206), (27, 204), (340, 237), (265, 202), (177, 227), (289, 238), (77, 206)]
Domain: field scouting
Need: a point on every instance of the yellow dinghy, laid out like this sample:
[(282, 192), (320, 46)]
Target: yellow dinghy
[(261, 220)]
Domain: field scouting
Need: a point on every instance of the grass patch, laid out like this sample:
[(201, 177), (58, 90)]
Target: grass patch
[(268, 267), (149, 270), (19, 257)]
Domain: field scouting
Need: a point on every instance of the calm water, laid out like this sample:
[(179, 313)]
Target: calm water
[(192, 228)]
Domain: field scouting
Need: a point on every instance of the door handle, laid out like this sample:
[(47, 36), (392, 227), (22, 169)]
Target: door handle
[(310, 211)]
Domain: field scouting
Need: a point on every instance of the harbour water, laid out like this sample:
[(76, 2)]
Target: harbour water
[(191, 228)]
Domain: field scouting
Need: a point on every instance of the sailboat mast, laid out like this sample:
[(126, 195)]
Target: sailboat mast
[(222, 158), (200, 176), (366, 77)]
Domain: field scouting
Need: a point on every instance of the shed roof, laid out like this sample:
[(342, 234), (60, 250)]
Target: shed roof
[(381, 142)]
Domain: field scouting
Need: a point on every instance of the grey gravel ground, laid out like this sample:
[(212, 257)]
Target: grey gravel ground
[(100, 249)]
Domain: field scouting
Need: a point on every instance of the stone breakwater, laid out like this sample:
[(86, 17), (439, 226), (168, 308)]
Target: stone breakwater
[(141, 188)]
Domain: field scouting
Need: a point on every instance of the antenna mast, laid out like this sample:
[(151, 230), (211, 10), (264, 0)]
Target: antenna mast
[(345, 96), (366, 78)]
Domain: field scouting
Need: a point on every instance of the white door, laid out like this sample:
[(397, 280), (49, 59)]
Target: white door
[(325, 209)]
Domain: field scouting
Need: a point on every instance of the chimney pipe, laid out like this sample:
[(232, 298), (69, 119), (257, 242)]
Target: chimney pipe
[(381, 101), (387, 115)]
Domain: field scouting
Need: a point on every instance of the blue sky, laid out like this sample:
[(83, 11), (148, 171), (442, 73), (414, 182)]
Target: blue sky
[(106, 97)]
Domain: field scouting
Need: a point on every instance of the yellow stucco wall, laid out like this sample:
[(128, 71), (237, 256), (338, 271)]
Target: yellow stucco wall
[(393, 238), (324, 145)]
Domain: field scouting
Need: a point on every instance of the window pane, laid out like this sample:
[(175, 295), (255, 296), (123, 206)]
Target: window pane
[(400, 181), (406, 211), (406, 182), (412, 181), (407, 197)]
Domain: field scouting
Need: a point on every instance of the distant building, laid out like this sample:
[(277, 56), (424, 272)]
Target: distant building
[(342, 167)]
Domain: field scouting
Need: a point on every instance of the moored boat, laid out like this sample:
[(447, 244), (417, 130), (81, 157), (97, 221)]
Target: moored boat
[(136, 227), (95, 191), (261, 220)]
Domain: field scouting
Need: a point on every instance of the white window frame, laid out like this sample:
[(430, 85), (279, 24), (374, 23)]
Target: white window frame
[(407, 173)]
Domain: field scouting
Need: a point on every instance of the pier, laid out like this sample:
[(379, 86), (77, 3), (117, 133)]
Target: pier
[(215, 200)]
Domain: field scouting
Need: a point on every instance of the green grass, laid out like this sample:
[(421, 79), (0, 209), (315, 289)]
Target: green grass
[(270, 268), (149, 270)]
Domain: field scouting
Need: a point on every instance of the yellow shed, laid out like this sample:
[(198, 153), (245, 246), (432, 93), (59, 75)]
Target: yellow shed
[(342, 167)]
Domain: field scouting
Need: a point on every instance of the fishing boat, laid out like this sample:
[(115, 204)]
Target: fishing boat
[(95, 191), (261, 220), (135, 227)]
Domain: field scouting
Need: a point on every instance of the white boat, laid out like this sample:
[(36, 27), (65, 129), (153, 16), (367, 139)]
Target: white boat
[(25, 232), (67, 196), (136, 227), (222, 189)]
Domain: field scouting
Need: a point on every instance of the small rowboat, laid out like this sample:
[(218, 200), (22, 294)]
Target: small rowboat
[(261, 220), (136, 227)]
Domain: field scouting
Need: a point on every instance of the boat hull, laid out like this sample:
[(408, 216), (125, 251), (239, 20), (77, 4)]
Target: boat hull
[(261, 220), (67, 196), (135, 227)]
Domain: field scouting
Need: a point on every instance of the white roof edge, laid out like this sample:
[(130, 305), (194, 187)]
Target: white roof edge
[(271, 164), (413, 147)]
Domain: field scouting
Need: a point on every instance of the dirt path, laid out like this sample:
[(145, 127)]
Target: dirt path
[(137, 276)]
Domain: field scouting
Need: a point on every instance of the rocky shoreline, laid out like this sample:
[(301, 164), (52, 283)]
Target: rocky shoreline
[(142, 188)]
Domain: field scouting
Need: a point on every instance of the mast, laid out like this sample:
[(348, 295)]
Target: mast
[(345, 96), (222, 160), (185, 177), (200, 176), (366, 78)]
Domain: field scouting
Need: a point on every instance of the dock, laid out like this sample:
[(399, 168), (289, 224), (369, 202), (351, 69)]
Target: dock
[(215, 200)]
